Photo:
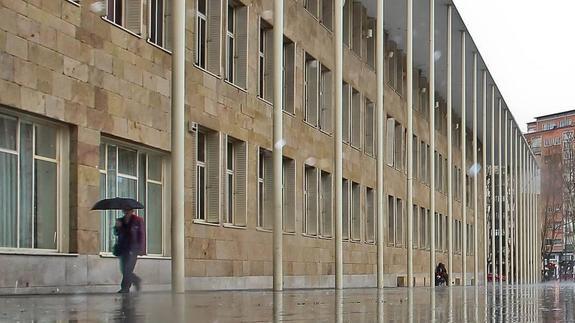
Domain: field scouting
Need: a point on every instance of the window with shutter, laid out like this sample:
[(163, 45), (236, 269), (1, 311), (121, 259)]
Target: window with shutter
[(311, 200), (346, 103), (289, 76), (213, 179), (236, 181), (371, 45), (289, 195), (422, 228), (369, 127), (200, 47), (312, 6), (347, 22), (357, 27), (345, 209), (355, 211), (268, 203), (214, 36), (236, 43), (157, 20), (370, 215), (311, 90), (415, 227), (326, 204), (325, 98), (398, 159), (416, 165), (269, 65), (390, 220), (390, 140), (356, 119)]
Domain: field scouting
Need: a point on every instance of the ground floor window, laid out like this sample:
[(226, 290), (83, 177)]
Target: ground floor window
[(30, 182), (128, 171)]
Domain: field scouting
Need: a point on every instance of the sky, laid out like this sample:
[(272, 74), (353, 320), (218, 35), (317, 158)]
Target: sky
[(529, 48)]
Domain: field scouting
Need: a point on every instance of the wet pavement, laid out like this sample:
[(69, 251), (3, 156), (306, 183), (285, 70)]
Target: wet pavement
[(553, 302)]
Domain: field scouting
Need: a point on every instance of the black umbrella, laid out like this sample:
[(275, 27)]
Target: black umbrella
[(118, 203)]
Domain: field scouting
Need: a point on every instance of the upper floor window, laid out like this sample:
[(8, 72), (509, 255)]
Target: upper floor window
[(235, 181), (355, 122), (236, 43), (322, 10), (161, 23), (370, 214), (31, 183), (265, 62), (369, 123), (346, 111), (127, 171), (318, 94), (208, 35), (125, 13)]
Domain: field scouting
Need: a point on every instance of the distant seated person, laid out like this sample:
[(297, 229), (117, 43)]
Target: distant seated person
[(440, 275)]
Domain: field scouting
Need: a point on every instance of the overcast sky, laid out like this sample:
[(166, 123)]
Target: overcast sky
[(529, 47)]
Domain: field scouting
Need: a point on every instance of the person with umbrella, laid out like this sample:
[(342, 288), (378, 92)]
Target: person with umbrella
[(131, 238)]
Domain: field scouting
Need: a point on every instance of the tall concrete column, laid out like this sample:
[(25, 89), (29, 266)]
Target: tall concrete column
[(511, 207), (493, 200), (409, 206), (337, 81), (475, 176), (484, 177), (277, 152), (518, 208), (505, 194), (500, 191), (380, 140), (449, 149), (177, 145), (463, 133), (530, 216), (432, 136)]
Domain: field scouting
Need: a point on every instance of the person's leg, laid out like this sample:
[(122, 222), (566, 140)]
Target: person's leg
[(125, 285)]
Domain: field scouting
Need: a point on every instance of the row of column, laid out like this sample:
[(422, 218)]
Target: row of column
[(516, 166)]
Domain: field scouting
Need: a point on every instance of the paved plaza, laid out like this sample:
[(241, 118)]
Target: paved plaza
[(551, 302)]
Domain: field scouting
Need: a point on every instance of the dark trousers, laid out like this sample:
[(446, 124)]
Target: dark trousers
[(127, 264)]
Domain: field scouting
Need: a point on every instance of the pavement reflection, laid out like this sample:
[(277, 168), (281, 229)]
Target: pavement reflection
[(551, 302)]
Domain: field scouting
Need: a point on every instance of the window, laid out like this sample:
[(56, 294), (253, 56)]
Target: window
[(289, 195), (347, 22), (369, 215), (357, 25), (355, 119), (310, 200), (437, 231), (345, 198), (311, 89), (207, 175), (346, 109), (390, 141), (137, 173), (423, 163), (415, 227), (399, 219), (422, 228), (265, 62), (160, 23), (398, 161), (355, 212), (325, 96), (322, 10), (236, 182), (125, 13), (289, 76), (371, 42), (326, 203), (208, 35), (369, 128), (31, 185), (236, 43), (395, 65), (416, 161), (390, 220), (265, 189)]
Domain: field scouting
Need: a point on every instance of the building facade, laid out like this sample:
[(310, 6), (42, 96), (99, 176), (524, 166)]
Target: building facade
[(85, 114), (551, 139)]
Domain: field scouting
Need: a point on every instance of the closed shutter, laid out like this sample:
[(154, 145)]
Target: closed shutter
[(168, 21), (356, 211), (289, 70), (268, 191), (269, 66), (311, 91), (390, 140), (369, 127), (370, 215), (311, 200), (133, 16), (241, 182), (193, 175), (356, 22), (326, 100), (346, 21), (327, 202), (345, 208), (289, 195), (345, 110), (241, 40), (356, 119), (214, 37), (390, 219), (398, 148), (213, 177)]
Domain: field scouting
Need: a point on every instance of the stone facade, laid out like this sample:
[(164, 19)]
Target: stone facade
[(62, 62)]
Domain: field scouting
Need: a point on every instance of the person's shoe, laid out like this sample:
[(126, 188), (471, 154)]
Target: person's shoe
[(123, 291), (138, 284)]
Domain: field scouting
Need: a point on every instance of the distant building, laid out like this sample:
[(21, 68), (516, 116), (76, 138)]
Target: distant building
[(551, 139)]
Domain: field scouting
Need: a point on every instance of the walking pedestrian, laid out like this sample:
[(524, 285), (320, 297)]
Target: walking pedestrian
[(131, 243)]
